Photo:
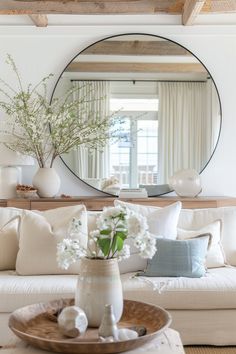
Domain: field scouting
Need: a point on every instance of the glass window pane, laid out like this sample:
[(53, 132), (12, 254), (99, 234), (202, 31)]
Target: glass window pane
[(134, 104), (144, 145), (152, 145), (147, 127)]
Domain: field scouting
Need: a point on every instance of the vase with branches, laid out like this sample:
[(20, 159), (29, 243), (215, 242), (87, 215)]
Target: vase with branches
[(119, 234), (44, 128)]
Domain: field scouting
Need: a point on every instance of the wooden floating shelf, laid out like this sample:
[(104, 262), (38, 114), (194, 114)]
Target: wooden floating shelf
[(97, 203)]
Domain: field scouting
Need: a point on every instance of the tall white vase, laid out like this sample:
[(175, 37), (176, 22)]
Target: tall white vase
[(99, 284), (47, 182)]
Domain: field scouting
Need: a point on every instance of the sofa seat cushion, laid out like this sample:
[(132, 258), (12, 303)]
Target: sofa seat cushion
[(17, 291), (216, 290)]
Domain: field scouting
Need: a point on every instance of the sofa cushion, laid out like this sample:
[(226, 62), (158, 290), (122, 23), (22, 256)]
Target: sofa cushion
[(216, 290), (215, 255), (17, 291), (7, 214), (9, 243), (194, 219), (9, 237), (175, 258), (39, 234), (161, 221)]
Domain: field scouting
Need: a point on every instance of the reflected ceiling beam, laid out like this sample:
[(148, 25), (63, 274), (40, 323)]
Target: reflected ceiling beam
[(20, 7), (136, 47), (39, 20), (191, 10), (136, 67)]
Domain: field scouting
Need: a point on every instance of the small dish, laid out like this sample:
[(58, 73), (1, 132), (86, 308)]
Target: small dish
[(27, 194)]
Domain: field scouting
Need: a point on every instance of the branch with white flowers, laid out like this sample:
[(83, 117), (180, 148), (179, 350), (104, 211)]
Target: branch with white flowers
[(115, 226), (45, 129)]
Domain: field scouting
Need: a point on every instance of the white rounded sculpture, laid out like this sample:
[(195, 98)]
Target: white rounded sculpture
[(126, 334), (72, 321), (186, 183)]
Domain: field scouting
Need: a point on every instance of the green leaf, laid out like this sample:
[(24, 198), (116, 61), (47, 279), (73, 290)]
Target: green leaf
[(113, 246), (121, 226), (104, 244), (121, 234), (105, 232), (119, 243)]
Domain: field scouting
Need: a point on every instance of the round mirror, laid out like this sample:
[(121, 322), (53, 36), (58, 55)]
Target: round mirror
[(167, 107)]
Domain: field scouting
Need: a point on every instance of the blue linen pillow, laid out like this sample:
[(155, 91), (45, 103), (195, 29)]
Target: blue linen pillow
[(179, 258)]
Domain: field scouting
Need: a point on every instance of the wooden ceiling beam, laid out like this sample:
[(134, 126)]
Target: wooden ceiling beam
[(105, 67), (191, 10), (136, 47), (219, 6), (27, 7), (39, 20), (80, 7)]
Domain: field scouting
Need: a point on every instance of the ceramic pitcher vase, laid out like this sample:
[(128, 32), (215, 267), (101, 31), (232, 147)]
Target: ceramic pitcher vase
[(99, 284), (47, 182)]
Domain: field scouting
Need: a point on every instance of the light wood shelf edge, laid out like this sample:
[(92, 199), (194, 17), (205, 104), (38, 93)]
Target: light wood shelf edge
[(97, 203)]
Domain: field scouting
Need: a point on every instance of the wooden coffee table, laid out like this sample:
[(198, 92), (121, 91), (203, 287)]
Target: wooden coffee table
[(167, 343)]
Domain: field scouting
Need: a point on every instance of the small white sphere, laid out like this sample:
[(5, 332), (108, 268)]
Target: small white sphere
[(72, 321)]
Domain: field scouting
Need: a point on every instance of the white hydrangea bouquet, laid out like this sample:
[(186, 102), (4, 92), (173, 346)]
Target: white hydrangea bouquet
[(114, 226)]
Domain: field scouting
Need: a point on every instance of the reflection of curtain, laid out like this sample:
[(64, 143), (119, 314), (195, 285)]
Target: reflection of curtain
[(183, 127), (92, 164), (213, 111)]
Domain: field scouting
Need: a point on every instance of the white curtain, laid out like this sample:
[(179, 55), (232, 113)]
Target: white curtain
[(183, 128), (93, 164)]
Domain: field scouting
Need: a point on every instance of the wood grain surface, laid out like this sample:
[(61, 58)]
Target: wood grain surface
[(36, 325)]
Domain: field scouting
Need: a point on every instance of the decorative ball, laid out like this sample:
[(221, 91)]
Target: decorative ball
[(186, 183), (72, 321)]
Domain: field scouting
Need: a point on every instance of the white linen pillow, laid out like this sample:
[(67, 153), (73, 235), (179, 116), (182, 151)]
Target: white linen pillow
[(161, 221), (9, 243), (7, 213), (194, 219), (215, 255), (39, 234)]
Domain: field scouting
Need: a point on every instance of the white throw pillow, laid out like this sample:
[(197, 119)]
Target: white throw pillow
[(39, 234), (194, 219), (161, 221), (215, 255), (9, 243)]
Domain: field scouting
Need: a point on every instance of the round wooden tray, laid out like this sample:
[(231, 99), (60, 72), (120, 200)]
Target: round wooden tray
[(36, 324)]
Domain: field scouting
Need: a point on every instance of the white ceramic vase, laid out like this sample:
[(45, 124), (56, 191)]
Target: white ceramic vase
[(186, 183), (47, 182), (99, 284)]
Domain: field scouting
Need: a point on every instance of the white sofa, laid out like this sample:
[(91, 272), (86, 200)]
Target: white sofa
[(203, 309)]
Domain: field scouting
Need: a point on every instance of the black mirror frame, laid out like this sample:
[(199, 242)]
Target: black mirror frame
[(152, 35)]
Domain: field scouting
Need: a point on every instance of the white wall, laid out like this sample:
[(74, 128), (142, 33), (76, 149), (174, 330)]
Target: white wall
[(38, 52)]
